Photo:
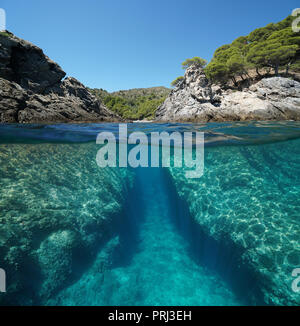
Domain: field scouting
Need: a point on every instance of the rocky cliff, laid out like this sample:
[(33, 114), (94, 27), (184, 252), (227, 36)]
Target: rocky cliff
[(195, 99), (32, 88)]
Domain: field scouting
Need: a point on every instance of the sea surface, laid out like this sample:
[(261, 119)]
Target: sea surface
[(72, 234)]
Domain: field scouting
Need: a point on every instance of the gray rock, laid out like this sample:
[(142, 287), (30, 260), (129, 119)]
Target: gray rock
[(12, 100), (55, 256), (195, 99), (27, 65), (32, 89)]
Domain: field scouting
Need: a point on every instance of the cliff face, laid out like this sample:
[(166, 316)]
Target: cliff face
[(194, 99), (32, 88)]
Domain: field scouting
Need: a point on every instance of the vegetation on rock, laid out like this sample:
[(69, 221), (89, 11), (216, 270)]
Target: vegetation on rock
[(273, 47), (5, 34), (134, 104), (177, 81), (196, 61)]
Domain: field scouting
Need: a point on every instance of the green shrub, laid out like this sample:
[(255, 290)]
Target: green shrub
[(177, 81), (196, 61)]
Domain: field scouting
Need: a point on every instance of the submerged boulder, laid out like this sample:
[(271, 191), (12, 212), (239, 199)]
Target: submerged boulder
[(248, 201), (55, 256), (57, 207)]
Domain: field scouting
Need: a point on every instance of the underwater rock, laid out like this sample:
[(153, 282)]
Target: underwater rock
[(55, 256), (248, 199), (84, 291), (57, 206)]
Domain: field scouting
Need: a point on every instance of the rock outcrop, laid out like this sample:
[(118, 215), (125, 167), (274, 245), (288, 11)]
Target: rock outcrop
[(247, 202), (54, 215), (32, 88), (195, 99)]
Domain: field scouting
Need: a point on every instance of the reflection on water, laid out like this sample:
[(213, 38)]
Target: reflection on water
[(253, 132)]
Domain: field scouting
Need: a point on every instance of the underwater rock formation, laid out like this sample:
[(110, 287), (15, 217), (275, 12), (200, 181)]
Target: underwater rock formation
[(195, 99), (32, 88), (248, 199), (57, 206)]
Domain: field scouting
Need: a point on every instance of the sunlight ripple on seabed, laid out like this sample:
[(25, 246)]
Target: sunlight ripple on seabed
[(83, 235)]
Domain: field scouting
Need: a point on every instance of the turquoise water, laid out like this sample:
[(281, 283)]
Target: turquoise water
[(74, 234), (160, 271)]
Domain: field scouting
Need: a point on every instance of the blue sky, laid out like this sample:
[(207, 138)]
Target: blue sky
[(122, 44)]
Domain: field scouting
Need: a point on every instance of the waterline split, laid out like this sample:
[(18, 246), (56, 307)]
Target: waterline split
[(191, 156)]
